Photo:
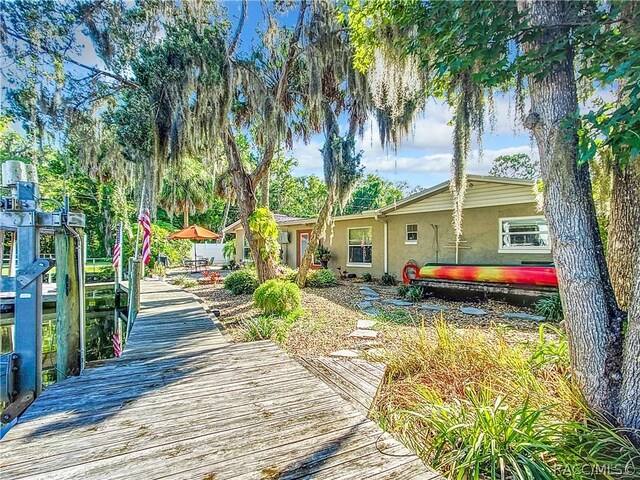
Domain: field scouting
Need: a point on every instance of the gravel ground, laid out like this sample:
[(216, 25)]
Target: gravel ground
[(331, 314)]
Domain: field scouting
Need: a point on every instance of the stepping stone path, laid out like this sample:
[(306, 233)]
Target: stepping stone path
[(365, 324), (362, 333), (397, 303), (472, 311), (364, 328), (524, 316), (364, 305), (345, 354), (430, 306)]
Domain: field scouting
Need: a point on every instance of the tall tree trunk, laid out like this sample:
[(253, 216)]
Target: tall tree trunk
[(225, 217), (266, 184), (623, 244), (244, 187), (185, 215), (594, 325), (318, 233), (630, 390)]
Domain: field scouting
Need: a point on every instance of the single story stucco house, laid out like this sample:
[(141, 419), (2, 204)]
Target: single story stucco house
[(502, 225)]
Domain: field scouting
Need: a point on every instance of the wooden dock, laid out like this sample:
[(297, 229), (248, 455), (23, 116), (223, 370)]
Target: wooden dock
[(183, 403)]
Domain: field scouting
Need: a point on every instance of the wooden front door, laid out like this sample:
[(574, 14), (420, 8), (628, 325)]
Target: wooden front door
[(303, 237)]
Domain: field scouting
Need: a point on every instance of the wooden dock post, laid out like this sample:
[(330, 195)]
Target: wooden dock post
[(67, 306), (134, 292)]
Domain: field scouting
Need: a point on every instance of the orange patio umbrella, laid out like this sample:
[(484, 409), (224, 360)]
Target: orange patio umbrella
[(194, 232)]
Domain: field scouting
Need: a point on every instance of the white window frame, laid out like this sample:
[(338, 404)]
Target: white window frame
[(528, 249), (364, 265), (406, 234), (245, 247)]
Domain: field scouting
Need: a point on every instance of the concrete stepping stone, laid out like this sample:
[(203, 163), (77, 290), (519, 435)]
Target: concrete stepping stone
[(371, 297), (359, 333), (397, 303), (345, 354), (365, 324), (371, 311), (430, 306), (524, 316), (364, 305), (473, 311), (367, 344)]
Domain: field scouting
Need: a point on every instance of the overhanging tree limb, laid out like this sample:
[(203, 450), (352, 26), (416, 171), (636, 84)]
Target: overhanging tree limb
[(65, 58)]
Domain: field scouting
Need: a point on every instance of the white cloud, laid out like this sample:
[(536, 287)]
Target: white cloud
[(439, 162)]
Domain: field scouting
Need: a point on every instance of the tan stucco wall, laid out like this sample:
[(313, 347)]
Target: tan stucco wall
[(479, 243), (480, 239)]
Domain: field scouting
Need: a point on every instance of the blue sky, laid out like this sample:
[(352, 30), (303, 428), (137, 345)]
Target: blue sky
[(424, 157)]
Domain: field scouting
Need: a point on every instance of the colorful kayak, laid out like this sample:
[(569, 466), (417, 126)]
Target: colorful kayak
[(514, 274)]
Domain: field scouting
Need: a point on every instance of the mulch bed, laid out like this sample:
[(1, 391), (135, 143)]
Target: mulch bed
[(331, 314)]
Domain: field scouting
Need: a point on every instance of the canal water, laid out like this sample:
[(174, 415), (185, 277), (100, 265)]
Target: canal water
[(99, 326)]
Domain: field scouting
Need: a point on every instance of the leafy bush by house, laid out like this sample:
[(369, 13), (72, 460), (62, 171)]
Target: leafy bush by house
[(402, 290), (275, 297), (229, 248), (367, 277), (241, 281), (550, 307), (414, 294), (388, 279), (322, 279), (287, 273)]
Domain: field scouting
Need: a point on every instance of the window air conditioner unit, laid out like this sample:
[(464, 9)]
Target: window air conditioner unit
[(283, 237)]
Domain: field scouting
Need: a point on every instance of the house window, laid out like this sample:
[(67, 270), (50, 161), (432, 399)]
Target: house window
[(360, 246), (411, 236), (246, 251), (524, 235)]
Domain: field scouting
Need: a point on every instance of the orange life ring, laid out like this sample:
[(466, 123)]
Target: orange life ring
[(410, 271)]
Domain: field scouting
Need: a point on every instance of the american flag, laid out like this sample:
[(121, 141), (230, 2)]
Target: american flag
[(145, 223), (117, 248), (117, 347)]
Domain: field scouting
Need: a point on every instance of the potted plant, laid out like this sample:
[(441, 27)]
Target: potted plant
[(323, 255), (159, 271)]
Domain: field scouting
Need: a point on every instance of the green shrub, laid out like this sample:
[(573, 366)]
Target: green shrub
[(414, 294), (402, 290), (269, 327), (241, 281), (189, 282), (275, 297), (388, 279), (550, 307), (322, 279), (287, 273), (229, 248), (367, 277), (257, 328), (180, 279)]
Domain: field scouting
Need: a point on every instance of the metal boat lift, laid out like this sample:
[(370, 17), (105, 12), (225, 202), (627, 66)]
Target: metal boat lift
[(21, 213)]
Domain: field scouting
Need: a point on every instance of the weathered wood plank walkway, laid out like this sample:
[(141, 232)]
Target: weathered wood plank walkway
[(183, 403), (355, 380)]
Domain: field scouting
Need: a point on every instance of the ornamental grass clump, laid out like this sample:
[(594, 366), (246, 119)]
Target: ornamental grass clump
[(277, 297), (475, 407)]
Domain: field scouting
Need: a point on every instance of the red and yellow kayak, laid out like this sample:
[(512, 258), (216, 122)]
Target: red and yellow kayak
[(514, 274)]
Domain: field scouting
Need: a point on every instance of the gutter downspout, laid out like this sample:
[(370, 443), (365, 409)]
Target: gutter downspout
[(386, 242)]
